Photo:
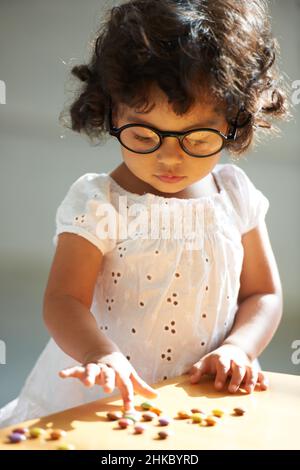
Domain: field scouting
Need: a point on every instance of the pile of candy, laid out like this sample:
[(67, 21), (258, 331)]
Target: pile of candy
[(23, 434), (148, 412)]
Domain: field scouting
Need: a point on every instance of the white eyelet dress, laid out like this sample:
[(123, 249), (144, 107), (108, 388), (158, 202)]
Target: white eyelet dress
[(164, 304)]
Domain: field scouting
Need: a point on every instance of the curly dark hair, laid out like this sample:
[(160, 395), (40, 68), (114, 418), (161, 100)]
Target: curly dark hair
[(218, 48)]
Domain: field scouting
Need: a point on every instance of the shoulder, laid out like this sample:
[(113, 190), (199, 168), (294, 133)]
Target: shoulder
[(90, 182), (89, 186), (231, 175), (250, 204)]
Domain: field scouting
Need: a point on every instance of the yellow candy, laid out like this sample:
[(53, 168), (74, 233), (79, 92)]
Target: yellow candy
[(36, 432), (197, 418), (218, 413), (66, 446)]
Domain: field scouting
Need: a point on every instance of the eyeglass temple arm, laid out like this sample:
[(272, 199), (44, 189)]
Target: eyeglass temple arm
[(235, 126)]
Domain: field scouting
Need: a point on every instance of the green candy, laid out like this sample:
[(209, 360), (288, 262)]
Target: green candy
[(135, 417), (66, 446), (146, 405)]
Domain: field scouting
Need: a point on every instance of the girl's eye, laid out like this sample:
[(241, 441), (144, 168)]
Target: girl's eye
[(198, 142), (139, 137)]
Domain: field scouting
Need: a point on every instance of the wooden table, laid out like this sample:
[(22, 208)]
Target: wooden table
[(271, 420)]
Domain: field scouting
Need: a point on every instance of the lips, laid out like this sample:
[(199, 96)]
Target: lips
[(170, 178)]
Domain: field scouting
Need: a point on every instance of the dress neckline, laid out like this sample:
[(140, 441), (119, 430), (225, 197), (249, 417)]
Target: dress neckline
[(156, 197)]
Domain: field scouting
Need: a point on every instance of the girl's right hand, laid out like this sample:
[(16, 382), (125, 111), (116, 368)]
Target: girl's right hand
[(109, 371)]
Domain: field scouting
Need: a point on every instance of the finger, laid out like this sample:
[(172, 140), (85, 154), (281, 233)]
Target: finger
[(141, 387), (76, 371), (198, 370), (238, 374), (108, 379), (251, 379), (222, 370), (91, 372), (126, 388), (263, 381)]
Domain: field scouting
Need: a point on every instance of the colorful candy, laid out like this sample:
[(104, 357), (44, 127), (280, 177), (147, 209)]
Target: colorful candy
[(114, 415), (66, 446), (218, 413), (134, 416), (164, 421), (16, 437), (157, 411), (57, 434), (146, 405), (197, 418), (196, 410), (183, 414), (149, 416), (140, 428), (20, 430), (36, 432), (164, 434), (124, 423), (239, 411), (211, 421)]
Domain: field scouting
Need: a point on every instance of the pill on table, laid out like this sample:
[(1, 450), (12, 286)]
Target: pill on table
[(114, 415), (183, 414), (36, 432), (124, 423), (146, 405), (197, 410), (57, 434), (20, 430), (134, 416), (197, 418), (239, 411), (149, 416), (218, 413), (210, 421), (164, 434), (139, 428), (157, 411), (164, 420), (16, 437), (66, 446)]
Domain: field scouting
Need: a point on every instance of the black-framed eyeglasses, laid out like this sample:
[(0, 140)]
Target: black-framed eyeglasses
[(199, 142)]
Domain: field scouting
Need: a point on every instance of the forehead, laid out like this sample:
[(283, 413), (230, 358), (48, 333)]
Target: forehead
[(205, 112)]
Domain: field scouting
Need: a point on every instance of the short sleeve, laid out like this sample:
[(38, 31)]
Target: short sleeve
[(86, 210), (250, 203)]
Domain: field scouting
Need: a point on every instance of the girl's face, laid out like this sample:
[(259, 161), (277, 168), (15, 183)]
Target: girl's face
[(170, 158)]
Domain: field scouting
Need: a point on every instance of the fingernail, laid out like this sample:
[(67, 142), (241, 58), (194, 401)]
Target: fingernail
[(219, 384), (233, 388)]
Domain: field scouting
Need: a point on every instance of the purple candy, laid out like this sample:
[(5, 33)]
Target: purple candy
[(164, 420), (16, 437)]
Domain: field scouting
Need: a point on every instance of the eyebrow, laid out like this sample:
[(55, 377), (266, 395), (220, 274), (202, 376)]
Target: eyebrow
[(208, 123)]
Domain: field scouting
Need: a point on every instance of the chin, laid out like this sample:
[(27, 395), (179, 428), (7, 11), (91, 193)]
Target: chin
[(168, 188)]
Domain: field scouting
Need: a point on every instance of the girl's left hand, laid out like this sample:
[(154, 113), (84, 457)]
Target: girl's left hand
[(229, 361)]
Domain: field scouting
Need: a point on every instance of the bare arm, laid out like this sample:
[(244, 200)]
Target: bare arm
[(260, 296), (257, 318), (68, 298)]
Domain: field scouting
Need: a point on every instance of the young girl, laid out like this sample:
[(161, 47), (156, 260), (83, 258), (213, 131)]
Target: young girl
[(129, 305)]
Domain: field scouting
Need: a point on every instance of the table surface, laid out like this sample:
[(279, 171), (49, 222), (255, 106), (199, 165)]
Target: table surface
[(271, 420)]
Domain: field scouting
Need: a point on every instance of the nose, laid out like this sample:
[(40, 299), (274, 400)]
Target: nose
[(170, 151)]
